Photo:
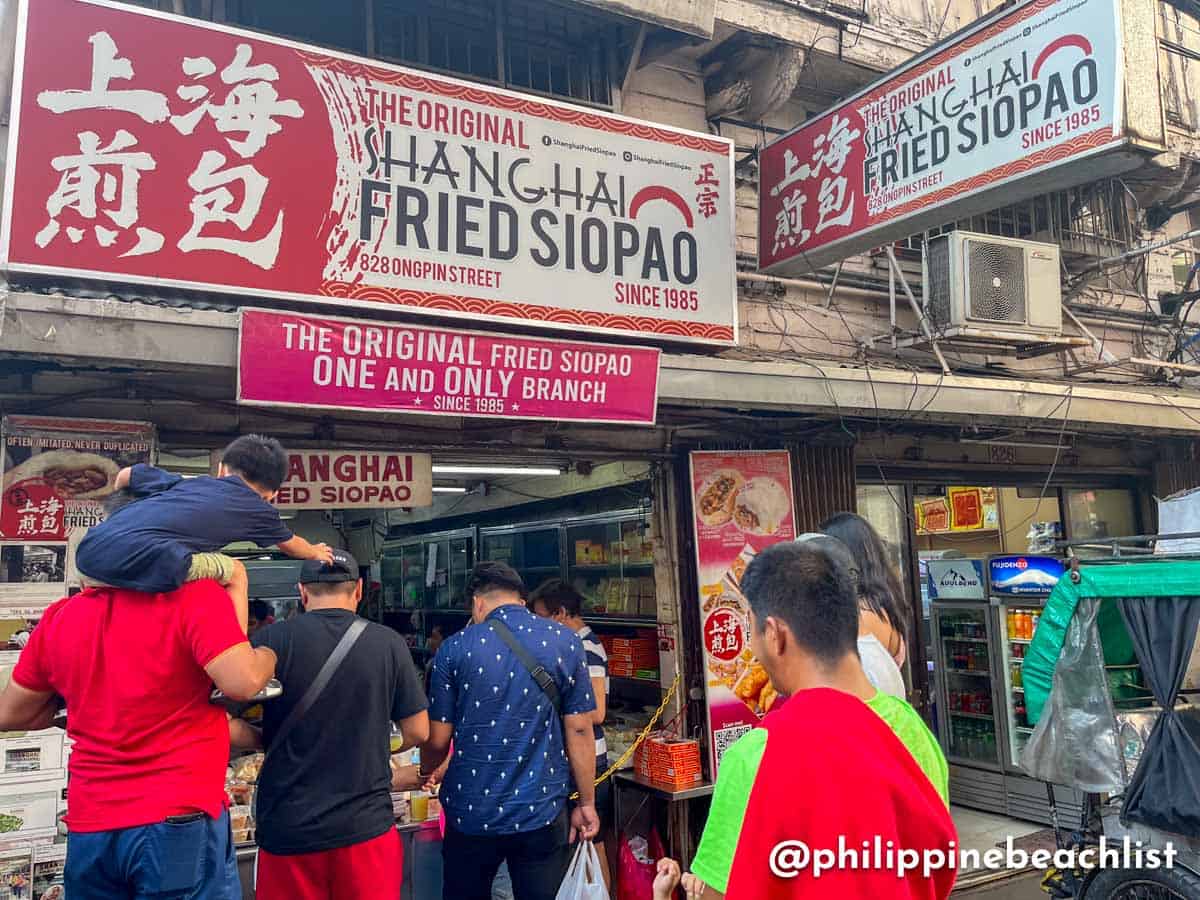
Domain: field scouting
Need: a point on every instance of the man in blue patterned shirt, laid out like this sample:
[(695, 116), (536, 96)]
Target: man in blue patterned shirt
[(506, 788)]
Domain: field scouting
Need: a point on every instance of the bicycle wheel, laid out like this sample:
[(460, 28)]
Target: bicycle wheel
[(1145, 884)]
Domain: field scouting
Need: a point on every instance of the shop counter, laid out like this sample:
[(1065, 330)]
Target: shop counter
[(422, 844), (678, 800)]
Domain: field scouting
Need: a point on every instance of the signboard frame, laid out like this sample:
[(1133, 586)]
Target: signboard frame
[(435, 308), (974, 194)]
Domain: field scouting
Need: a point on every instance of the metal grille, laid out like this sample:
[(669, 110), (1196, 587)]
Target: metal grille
[(995, 282), (938, 298), (825, 483), (1093, 220)]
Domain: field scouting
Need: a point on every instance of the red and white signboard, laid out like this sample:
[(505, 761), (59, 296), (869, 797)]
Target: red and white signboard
[(153, 149), (1035, 90), (356, 479), (289, 359)]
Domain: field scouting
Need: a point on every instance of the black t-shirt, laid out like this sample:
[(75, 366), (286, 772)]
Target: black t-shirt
[(329, 786)]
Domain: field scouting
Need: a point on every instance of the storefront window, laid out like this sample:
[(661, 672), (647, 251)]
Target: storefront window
[(884, 507), (1100, 513)]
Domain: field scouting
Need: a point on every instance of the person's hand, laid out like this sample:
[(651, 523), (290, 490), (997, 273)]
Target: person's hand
[(435, 778), (406, 778), (585, 822), (324, 553), (693, 887), (666, 879)]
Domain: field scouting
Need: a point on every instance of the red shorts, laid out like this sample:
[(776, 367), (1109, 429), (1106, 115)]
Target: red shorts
[(370, 869)]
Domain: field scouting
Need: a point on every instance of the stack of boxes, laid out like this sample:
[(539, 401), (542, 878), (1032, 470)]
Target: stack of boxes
[(635, 657), (669, 761), (33, 783)]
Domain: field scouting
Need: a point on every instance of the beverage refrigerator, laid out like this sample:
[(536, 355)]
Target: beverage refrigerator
[(1017, 590), (967, 673)]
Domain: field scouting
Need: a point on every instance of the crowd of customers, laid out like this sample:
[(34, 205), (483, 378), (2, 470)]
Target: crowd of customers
[(508, 718)]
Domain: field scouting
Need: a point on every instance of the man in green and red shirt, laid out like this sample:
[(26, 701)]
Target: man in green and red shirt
[(833, 747)]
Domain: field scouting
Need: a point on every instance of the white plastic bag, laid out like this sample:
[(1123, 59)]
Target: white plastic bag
[(584, 879)]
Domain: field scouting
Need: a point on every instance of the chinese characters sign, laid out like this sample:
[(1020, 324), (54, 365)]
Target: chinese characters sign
[(356, 479), (1031, 91), (742, 504), (288, 359), (158, 150), (57, 472)]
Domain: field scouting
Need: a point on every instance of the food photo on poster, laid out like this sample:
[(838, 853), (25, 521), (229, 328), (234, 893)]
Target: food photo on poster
[(743, 504), (58, 472)]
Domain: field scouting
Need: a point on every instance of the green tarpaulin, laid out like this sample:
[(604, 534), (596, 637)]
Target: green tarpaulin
[(1107, 582)]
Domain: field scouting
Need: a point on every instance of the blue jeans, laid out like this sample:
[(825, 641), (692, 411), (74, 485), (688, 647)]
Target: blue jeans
[(168, 861)]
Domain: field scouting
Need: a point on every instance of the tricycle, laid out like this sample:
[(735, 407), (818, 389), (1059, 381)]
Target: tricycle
[(1104, 686)]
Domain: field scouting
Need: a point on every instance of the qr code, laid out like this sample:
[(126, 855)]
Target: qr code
[(724, 737)]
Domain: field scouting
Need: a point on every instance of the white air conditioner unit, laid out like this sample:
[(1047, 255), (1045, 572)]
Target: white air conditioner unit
[(982, 283)]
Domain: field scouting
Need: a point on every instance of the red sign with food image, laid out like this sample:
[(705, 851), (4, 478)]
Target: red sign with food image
[(743, 504), (57, 472)]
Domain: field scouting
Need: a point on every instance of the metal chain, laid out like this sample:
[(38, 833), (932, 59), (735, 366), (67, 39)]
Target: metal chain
[(641, 737)]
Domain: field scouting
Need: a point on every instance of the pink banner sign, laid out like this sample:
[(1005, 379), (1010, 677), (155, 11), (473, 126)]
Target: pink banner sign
[(288, 359)]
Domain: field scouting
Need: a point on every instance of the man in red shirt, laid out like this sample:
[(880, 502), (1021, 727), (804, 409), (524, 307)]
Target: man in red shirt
[(147, 813)]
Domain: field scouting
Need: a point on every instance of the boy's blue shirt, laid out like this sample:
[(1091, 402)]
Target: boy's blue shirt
[(148, 545)]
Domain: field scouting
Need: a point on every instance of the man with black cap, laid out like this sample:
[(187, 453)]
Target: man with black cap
[(324, 807)]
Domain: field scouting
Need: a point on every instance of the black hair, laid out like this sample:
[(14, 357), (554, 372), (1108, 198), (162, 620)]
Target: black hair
[(322, 589), (492, 576), (808, 586), (259, 460), (557, 594), (261, 610), (878, 585)]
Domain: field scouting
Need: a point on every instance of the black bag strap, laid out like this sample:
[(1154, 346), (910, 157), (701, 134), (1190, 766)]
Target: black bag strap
[(324, 676), (539, 674)]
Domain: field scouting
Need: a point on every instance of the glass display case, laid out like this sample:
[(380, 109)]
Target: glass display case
[(966, 698), (535, 551), (428, 572), (1018, 622), (611, 563)]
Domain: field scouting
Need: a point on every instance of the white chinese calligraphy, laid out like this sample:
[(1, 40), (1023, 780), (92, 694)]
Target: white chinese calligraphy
[(832, 208), (835, 200), (250, 108), (212, 205), (107, 67), (101, 175), (789, 222), (792, 172), (100, 184), (832, 148)]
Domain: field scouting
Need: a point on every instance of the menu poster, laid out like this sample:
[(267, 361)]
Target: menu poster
[(742, 504), (57, 472)]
